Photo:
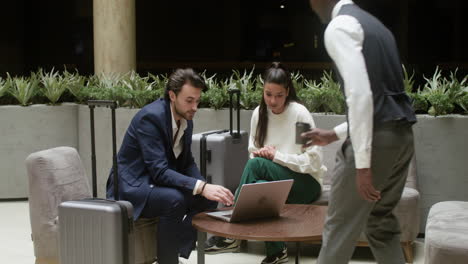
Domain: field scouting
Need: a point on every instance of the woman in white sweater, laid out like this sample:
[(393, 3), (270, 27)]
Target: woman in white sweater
[(274, 155)]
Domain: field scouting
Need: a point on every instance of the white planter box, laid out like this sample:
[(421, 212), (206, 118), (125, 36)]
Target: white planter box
[(441, 145), (442, 160), (24, 130)]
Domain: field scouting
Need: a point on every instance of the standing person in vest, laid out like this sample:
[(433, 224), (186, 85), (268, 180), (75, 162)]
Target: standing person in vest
[(372, 164)]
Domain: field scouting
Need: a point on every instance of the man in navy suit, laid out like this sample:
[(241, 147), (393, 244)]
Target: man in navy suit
[(156, 168)]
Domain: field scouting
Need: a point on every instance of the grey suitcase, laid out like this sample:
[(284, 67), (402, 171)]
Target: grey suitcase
[(97, 231), (222, 154)]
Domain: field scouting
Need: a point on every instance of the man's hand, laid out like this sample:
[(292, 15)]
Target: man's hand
[(267, 152), (218, 193), (320, 137), (364, 185)]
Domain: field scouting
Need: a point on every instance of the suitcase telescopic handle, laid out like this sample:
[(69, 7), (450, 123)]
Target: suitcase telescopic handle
[(237, 92), (113, 105)]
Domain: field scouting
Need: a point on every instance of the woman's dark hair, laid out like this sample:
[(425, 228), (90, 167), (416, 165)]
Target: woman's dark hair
[(180, 77), (276, 74)]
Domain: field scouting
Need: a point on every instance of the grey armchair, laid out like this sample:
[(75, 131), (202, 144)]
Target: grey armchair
[(57, 175)]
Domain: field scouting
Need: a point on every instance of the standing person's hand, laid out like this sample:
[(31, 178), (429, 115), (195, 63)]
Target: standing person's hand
[(319, 137), (364, 185), (267, 152), (218, 193)]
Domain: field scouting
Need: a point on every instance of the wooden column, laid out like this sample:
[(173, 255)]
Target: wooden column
[(114, 36)]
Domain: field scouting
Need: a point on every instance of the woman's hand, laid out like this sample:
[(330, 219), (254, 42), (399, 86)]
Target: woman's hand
[(267, 152)]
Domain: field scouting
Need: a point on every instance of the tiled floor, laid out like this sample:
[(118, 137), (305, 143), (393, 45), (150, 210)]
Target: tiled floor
[(16, 246)]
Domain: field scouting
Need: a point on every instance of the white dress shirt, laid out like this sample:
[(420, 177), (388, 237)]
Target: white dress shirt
[(344, 39), (177, 133), (176, 136)]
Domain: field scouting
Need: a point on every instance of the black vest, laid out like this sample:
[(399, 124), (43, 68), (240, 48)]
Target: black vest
[(383, 68)]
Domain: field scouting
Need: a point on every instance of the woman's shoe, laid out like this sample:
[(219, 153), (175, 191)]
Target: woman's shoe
[(280, 257)]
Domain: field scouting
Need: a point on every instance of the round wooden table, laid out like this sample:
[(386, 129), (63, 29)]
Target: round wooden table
[(297, 222)]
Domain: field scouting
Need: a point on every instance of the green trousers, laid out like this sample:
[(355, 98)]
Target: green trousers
[(305, 188)]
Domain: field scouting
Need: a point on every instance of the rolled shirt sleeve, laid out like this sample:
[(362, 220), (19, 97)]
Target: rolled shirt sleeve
[(309, 162), (344, 38)]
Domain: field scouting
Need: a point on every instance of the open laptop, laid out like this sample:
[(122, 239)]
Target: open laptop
[(257, 200)]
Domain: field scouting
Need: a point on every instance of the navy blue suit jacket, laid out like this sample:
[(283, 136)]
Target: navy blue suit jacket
[(146, 158)]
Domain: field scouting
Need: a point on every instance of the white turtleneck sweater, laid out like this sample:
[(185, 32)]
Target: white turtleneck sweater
[(281, 135)]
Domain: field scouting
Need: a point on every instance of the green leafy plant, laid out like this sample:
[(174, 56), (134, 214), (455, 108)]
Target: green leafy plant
[(159, 84), (108, 87), (160, 81), (75, 84), (216, 96), (331, 95), (54, 85), (418, 100), (23, 89), (437, 93), (408, 80), (310, 96), (259, 82), (4, 86), (323, 96), (133, 81), (438, 96), (205, 96), (463, 100), (92, 90), (141, 89), (457, 90), (250, 97), (297, 81), (141, 98)]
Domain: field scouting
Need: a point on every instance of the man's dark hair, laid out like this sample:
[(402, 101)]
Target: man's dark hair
[(180, 77)]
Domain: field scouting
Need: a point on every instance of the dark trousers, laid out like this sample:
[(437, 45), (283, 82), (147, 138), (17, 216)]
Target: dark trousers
[(175, 209), (349, 214)]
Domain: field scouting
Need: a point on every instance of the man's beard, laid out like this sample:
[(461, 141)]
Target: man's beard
[(187, 115)]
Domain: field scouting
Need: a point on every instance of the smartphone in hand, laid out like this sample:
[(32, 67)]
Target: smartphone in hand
[(301, 127)]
